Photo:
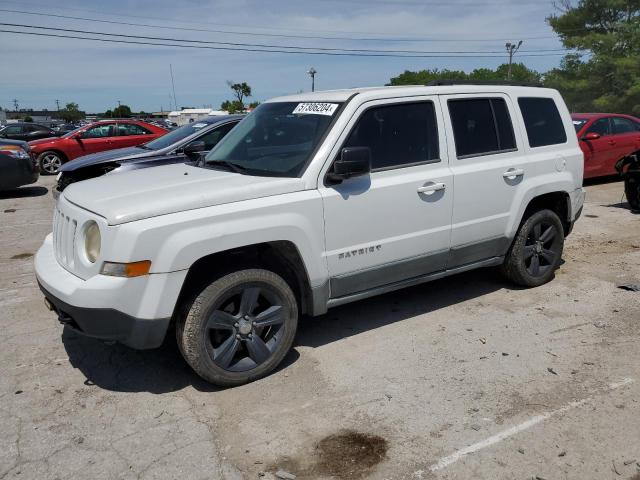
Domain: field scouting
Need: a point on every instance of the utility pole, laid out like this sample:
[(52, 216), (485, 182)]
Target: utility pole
[(173, 86), (58, 104), (15, 104), (118, 103), (312, 73), (512, 48)]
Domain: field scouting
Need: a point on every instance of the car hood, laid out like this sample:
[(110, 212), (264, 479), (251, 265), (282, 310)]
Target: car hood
[(107, 156), (44, 141), (139, 194)]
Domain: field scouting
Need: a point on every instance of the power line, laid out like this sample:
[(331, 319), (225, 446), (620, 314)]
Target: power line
[(241, 49), (262, 45), (313, 37), (279, 28)]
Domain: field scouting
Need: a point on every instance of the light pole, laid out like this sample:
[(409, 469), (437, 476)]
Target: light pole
[(312, 73), (512, 48)]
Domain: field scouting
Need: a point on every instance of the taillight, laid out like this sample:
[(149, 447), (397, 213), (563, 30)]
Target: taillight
[(14, 151)]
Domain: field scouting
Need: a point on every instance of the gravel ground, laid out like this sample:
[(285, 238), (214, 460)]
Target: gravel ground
[(467, 377)]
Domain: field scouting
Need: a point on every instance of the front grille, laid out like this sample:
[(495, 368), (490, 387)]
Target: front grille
[(64, 238)]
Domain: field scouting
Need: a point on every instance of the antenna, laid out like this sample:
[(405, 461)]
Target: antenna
[(173, 86)]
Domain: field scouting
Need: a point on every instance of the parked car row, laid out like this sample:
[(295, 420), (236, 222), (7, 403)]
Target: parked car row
[(93, 138), (184, 144)]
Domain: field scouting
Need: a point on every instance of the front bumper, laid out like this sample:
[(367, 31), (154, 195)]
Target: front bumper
[(133, 311), (109, 324)]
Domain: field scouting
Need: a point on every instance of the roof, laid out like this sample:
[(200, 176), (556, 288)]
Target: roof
[(596, 115), (404, 90), (219, 119)]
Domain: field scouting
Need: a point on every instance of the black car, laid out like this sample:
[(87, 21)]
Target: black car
[(181, 145), (26, 131), (17, 165)]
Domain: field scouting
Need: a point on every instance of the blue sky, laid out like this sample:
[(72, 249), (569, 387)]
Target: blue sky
[(39, 70)]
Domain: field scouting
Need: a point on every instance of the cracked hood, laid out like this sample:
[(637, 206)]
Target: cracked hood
[(150, 192)]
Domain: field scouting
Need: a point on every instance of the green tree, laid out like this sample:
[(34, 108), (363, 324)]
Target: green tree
[(253, 105), (108, 114), (71, 113), (519, 72), (240, 90), (28, 119), (122, 111), (232, 106), (604, 72)]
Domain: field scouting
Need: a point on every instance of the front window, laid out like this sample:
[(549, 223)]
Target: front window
[(276, 139)]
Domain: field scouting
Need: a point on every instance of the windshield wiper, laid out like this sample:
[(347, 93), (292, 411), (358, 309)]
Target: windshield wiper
[(234, 167)]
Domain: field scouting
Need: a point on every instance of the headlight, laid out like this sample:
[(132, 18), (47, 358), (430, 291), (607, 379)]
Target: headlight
[(92, 241)]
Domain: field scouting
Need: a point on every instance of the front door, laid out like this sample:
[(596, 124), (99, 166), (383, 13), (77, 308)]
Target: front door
[(393, 224), (97, 139), (599, 152)]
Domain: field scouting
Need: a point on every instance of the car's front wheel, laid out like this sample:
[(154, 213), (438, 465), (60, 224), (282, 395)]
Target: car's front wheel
[(50, 162), (239, 328), (536, 251)]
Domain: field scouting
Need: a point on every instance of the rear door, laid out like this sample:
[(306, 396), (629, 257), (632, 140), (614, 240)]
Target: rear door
[(131, 134), (393, 224), (626, 135), (489, 164)]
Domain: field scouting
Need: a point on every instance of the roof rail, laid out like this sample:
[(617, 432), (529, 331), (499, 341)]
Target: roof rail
[(440, 83)]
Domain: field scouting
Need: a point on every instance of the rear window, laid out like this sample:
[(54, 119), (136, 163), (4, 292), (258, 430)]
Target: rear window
[(481, 126), (542, 121)]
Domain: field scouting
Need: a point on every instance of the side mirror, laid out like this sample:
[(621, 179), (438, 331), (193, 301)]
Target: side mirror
[(591, 136), (194, 148), (353, 162)]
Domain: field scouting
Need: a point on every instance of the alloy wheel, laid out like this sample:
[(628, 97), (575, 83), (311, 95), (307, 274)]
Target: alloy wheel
[(51, 163), (541, 249), (245, 327)]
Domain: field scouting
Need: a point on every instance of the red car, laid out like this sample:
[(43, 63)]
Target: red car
[(95, 137), (605, 138)]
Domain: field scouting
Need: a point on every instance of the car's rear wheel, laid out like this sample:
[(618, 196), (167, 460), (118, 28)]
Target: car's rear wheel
[(239, 328), (536, 251), (50, 162)]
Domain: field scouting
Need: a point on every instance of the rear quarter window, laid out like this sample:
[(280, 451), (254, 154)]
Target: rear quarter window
[(542, 121)]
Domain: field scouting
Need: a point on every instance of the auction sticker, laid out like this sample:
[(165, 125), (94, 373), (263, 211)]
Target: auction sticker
[(315, 109)]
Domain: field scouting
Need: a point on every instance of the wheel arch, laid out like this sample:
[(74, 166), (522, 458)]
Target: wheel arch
[(63, 156), (281, 256), (558, 202)]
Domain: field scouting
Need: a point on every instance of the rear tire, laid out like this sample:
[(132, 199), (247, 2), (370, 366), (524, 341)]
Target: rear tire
[(239, 328), (536, 251), (50, 162)]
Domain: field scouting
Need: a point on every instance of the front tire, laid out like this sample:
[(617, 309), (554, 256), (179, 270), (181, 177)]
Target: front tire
[(49, 162), (536, 251), (239, 328)]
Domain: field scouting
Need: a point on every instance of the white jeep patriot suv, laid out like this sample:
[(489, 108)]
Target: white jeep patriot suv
[(313, 201)]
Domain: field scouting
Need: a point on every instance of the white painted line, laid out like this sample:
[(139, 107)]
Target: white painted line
[(455, 456)]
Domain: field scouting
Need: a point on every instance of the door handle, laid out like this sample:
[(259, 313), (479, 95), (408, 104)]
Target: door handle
[(434, 187), (612, 142), (513, 173)]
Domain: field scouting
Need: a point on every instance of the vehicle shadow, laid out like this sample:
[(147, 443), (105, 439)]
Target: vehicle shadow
[(23, 192), (587, 182), (358, 317), (118, 368)]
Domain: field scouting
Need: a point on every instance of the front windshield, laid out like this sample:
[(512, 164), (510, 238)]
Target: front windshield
[(175, 135), (276, 139), (578, 123)]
